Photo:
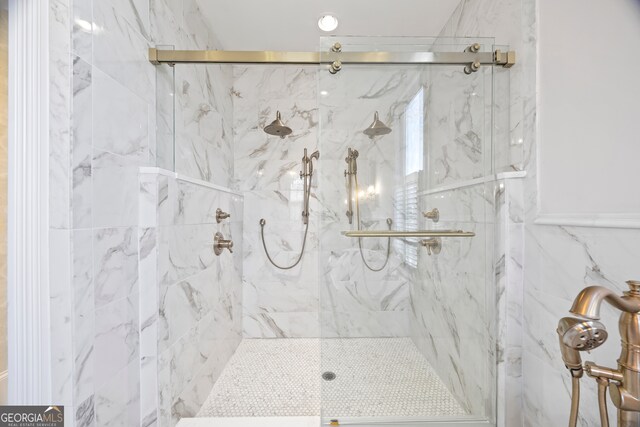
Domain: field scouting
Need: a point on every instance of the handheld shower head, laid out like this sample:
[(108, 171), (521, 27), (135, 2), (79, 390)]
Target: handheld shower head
[(577, 335)]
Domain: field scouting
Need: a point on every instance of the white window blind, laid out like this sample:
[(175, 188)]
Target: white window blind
[(407, 212)]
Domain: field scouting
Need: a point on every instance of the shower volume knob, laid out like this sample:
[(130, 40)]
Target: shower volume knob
[(221, 215), (220, 244)]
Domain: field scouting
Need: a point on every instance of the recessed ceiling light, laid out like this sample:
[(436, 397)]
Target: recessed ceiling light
[(328, 23)]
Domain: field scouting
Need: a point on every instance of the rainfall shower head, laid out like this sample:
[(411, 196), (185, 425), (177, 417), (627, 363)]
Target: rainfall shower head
[(376, 128), (277, 127)]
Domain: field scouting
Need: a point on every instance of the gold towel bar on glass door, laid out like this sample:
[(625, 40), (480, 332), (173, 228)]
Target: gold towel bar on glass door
[(420, 233)]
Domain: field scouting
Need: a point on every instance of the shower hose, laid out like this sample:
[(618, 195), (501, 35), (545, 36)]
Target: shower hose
[(307, 193), (389, 222)]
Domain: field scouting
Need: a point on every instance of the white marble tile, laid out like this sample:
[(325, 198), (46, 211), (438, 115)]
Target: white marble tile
[(61, 319), (202, 123), (184, 250), (84, 314), (135, 12), (148, 200), (117, 403), (60, 92), (115, 195), (165, 21), (85, 415), (197, 204), (82, 142), (115, 264), (117, 339), (121, 130), (83, 28), (121, 51)]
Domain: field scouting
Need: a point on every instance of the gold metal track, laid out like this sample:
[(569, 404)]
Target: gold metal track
[(159, 56)]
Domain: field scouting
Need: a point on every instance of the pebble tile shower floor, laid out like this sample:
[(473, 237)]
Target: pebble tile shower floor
[(375, 377)]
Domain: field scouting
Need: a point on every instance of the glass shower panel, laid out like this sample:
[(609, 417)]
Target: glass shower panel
[(407, 324)]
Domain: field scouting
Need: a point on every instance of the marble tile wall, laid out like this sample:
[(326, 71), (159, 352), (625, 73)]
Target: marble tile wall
[(108, 250), (452, 315), (558, 260), (355, 301), (277, 303), (192, 319), (458, 124)]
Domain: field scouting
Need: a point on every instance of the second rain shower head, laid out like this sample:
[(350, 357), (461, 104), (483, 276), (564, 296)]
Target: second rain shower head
[(377, 128), (277, 127)]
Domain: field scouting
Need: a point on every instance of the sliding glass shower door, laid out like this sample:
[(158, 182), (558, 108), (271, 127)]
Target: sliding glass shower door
[(407, 322)]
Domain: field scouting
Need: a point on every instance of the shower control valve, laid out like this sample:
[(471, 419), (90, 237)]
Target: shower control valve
[(221, 215), (433, 214), (220, 244), (433, 245)]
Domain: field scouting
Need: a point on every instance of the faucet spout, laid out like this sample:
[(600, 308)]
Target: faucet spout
[(587, 303)]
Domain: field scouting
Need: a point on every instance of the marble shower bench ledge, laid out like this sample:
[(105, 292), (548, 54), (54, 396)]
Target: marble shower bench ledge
[(152, 170), (471, 182)]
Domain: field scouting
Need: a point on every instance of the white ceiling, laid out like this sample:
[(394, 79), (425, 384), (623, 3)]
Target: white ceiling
[(292, 25)]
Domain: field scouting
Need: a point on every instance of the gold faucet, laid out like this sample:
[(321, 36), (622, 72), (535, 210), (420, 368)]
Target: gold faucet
[(578, 335)]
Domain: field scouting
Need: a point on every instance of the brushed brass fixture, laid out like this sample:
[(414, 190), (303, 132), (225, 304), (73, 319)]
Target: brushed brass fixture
[(220, 244), (335, 66), (277, 127), (433, 245), (376, 128), (433, 215), (351, 174), (307, 175), (337, 47), (578, 335), (221, 215), (403, 234), (472, 67), (473, 48), (162, 56), (506, 59)]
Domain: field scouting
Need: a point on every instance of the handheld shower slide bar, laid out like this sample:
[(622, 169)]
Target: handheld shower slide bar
[(351, 174), (306, 174)]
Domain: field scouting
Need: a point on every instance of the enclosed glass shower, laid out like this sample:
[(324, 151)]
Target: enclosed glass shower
[(389, 318)]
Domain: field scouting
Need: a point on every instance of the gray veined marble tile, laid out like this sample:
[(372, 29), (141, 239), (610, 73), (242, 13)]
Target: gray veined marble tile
[(82, 142), (60, 116), (85, 415), (115, 264), (117, 403), (120, 50), (120, 119), (117, 339)]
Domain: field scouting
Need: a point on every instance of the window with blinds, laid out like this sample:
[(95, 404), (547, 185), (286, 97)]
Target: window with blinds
[(407, 213)]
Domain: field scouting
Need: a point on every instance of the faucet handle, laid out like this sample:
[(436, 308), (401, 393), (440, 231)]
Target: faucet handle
[(220, 244), (221, 215), (634, 287), (433, 214), (433, 245)]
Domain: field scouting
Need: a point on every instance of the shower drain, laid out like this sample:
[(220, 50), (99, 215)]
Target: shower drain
[(328, 376)]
